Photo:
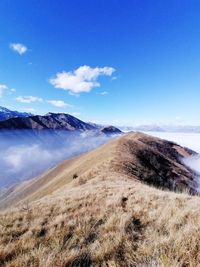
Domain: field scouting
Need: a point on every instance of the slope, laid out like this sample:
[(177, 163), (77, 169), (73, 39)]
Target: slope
[(108, 215), (138, 156)]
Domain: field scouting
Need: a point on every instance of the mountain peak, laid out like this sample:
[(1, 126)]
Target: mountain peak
[(111, 130), (3, 109), (56, 121), (6, 114)]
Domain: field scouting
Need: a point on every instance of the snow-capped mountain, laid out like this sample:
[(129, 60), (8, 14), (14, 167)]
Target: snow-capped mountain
[(51, 121), (6, 114)]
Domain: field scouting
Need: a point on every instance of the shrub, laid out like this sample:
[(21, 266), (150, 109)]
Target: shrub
[(75, 176)]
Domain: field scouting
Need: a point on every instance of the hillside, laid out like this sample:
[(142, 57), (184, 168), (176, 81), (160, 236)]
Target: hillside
[(57, 121), (106, 208)]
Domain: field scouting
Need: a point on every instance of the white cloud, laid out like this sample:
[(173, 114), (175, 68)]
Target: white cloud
[(103, 93), (29, 109), (83, 79), (58, 103), (3, 87), (19, 48), (13, 90), (75, 114), (28, 99)]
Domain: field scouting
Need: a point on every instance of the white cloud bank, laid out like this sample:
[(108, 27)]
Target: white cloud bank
[(59, 103), (28, 99), (193, 163), (19, 48), (24, 154), (190, 140), (82, 79)]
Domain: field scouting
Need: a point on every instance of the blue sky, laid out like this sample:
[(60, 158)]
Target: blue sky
[(111, 61)]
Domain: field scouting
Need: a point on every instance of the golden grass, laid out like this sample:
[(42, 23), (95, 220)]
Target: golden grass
[(87, 165), (103, 223), (101, 218)]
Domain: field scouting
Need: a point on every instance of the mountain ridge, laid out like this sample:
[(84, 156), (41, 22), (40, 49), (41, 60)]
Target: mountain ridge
[(54, 121), (138, 156), (102, 209), (6, 114)]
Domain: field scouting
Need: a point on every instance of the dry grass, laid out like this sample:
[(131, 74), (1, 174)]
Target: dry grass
[(103, 223), (102, 218)]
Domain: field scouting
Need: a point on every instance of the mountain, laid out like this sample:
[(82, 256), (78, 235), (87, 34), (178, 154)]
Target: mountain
[(141, 157), (110, 130), (119, 205), (98, 204), (53, 121), (98, 126), (31, 145), (6, 114)]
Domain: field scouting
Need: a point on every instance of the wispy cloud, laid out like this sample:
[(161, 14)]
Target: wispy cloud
[(75, 114), (59, 103), (103, 93), (29, 109), (19, 48), (3, 87), (82, 79), (28, 99)]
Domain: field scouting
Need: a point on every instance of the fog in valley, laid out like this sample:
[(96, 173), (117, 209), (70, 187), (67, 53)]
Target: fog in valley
[(27, 153)]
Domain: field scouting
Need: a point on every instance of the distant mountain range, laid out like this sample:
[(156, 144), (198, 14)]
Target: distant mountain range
[(6, 114), (162, 128), (60, 121), (51, 121)]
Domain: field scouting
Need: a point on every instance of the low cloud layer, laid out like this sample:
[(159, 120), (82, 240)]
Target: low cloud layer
[(190, 140), (82, 79), (194, 164), (25, 154)]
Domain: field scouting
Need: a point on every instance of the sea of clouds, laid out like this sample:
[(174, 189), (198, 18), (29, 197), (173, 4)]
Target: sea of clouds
[(25, 154)]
